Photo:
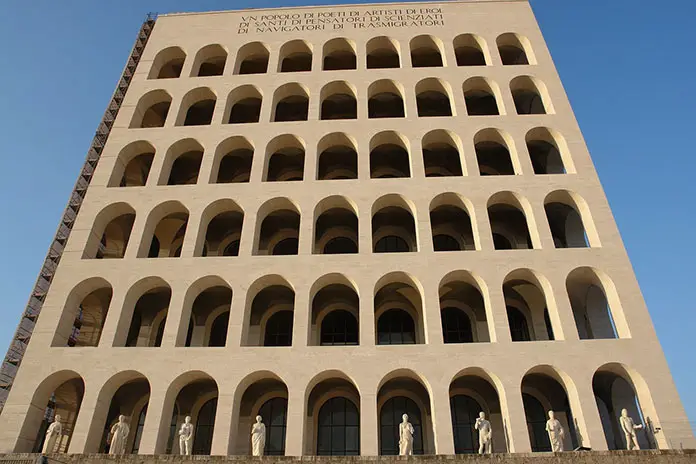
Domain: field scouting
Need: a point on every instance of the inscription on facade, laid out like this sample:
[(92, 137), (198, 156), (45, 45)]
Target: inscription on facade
[(336, 20)]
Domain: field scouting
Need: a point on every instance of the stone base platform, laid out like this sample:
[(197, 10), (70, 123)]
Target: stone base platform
[(582, 457)]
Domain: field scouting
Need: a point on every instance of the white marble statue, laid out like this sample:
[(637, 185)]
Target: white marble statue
[(405, 437), (629, 429), (119, 436), (55, 430), (485, 433), (556, 432), (258, 437), (186, 437)]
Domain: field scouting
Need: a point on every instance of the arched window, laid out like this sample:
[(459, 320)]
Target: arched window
[(519, 329), (339, 328), (286, 247), (464, 410), (396, 327), (139, 430), (392, 244), (456, 326), (536, 423), (203, 436), (279, 329), (501, 242), (274, 414), (444, 242), (389, 420), (338, 428), (218, 331), (340, 245), (232, 249)]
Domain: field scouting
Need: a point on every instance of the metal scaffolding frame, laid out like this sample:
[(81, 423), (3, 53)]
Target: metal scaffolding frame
[(19, 343)]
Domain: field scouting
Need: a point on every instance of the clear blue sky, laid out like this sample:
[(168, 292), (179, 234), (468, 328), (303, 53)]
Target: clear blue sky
[(628, 68)]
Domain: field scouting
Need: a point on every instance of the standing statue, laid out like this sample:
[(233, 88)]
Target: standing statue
[(485, 433), (52, 435), (629, 429), (186, 437), (405, 437), (119, 436), (258, 437), (556, 432)]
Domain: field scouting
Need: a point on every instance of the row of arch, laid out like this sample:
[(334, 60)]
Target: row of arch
[(336, 226), (332, 410), (337, 158), (339, 100), (334, 313), (341, 54)]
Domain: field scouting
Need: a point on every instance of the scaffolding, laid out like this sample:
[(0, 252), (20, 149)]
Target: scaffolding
[(19, 343)]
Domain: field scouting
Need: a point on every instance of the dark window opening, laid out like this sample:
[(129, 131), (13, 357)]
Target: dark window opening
[(426, 57), (444, 242), (396, 327), (512, 55), (383, 59), (519, 329), (340, 245), (470, 56), (456, 327), (340, 60), (235, 166), (274, 414), (185, 169), (528, 102), (200, 113), (494, 159), (246, 110), (297, 62), (432, 103), (286, 247), (338, 162), (392, 244), (338, 428), (213, 67), (386, 105), (279, 329), (339, 328), (389, 420), (441, 160), (480, 103), (339, 106), (293, 108), (255, 64)]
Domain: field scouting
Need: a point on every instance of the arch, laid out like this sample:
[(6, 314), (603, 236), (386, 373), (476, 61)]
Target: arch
[(442, 154), (389, 156), (110, 232), (463, 309), (398, 307), (426, 52), (277, 228), (209, 61), (290, 103), (243, 105), (548, 151), (515, 49), (182, 163), (530, 96), (338, 101), (220, 229), (197, 107), (210, 306), (525, 292), (84, 314), (285, 156), (60, 394), (252, 58), (385, 99), (335, 312), (133, 164), (510, 225), (393, 225), (434, 98), (338, 157), (596, 305), (382, 52), (451, 224), (167, 64), (494, 153), (481, 96), (471, 50), (295, 56), (336, 226), (166, 228), (339, 54), (269, 313), (570, 220), (232, 161), (152, 110), (145, 307)]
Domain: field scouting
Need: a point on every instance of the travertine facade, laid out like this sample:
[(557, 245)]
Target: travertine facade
[(422, 197)]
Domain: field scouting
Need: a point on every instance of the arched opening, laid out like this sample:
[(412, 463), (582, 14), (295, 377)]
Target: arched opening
[(426, 52), (382, 53), (270, 318), (471, 392), (286, 156), (565, 220), (335, 314), (233, 158), (167, 64), (545, 152), (210, 61), (469, 50), (433, 98), (462, 310), (58, 395), (403, 393), (339, 54), (527, 310), (152, 110), (393, 226), (182, 163), (513, 49), (223, 232), (164, 232), (528, 95), (336, 227), (295, 56), (493, 153), (243, 105), (197, 398), (441, 155), (113, 225), (451, 224), (133, 165), (130, 400), (389, 156), (385, 100), (398, 311), (279, 229), (252, 58), (333, 417), (148, 317), (480, 97), (291, 103), (508, 223), (338, 101), (592, 311), (197, 107), (209, 318), (338, 157), (543, 390), (266, 397), (614, 390), (84, 314)]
